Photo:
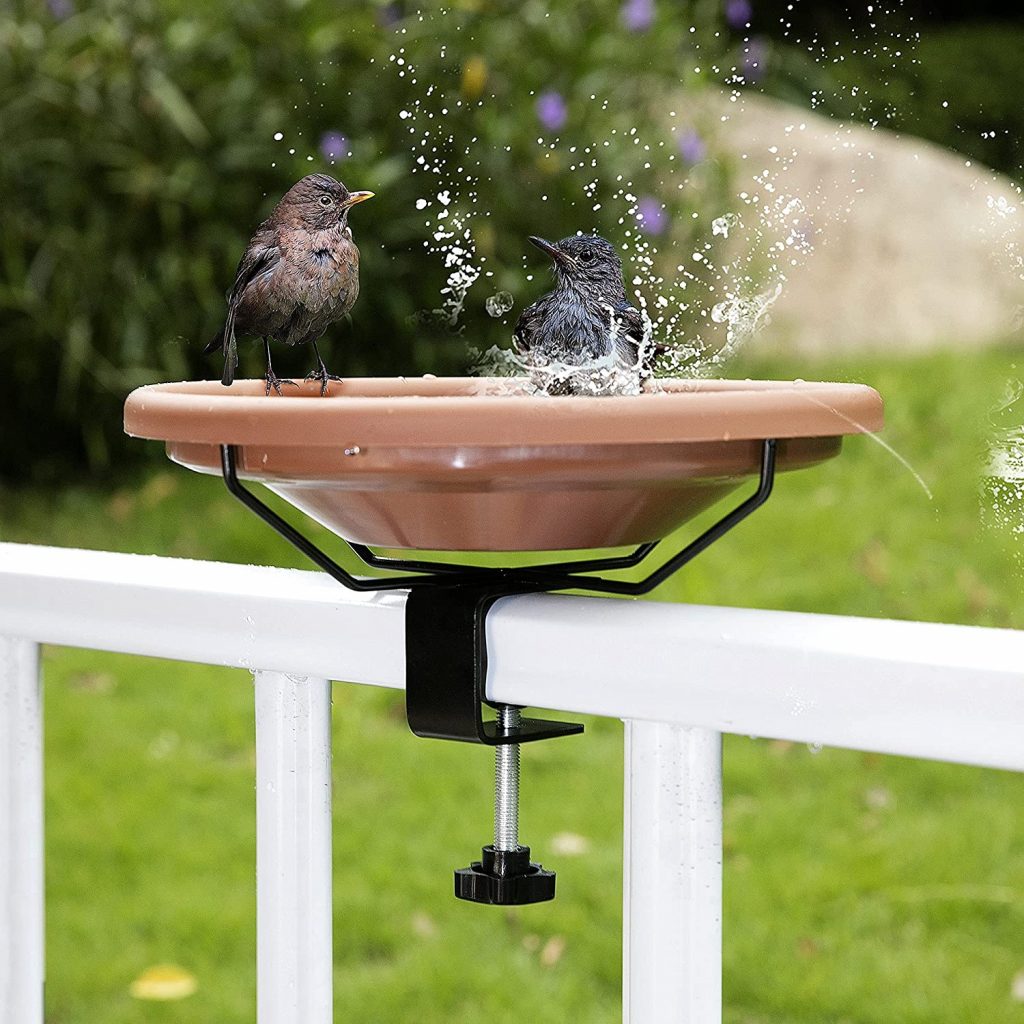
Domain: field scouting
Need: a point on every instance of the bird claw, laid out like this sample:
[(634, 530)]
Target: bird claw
[(323, 376), (275, 382)]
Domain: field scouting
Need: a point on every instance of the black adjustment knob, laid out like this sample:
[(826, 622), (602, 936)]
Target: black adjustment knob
[(505, 878)]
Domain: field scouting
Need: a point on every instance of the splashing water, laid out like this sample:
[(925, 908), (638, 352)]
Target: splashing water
[(452, 207), (605, 376), (1002, 482), (877, 440), (1006, 229), (499, 304), (707, 283), (742, 316), (681, 303), (902, 461), (722, 225)]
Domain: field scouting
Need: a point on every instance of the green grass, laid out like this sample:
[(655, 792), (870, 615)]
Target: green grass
[(859, 888)]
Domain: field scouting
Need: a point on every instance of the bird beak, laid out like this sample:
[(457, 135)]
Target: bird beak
[(553, 251), (356, 197)]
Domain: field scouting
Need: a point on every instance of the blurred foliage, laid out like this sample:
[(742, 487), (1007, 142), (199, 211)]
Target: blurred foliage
[(958, 85), (976, 71), (139, 154)]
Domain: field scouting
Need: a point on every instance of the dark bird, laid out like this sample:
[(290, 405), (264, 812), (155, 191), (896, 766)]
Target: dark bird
[(299, 274), (587, 316)]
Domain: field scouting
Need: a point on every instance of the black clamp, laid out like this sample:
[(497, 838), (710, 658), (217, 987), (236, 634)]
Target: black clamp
[(446, 668)]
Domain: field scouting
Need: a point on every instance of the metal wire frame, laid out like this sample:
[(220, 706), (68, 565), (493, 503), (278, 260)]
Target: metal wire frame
[(551, 576)]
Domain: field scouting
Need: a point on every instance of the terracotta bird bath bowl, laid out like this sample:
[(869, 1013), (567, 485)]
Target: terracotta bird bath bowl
[(478, 464)]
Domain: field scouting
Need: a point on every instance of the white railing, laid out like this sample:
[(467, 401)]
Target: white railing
[(678, 675)]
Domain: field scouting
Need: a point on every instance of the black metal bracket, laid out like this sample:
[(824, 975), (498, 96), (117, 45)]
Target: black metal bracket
[(446, 650), (446, 666)]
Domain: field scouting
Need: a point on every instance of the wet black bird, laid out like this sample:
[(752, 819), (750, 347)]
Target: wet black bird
[(299, 274), (587, 316)]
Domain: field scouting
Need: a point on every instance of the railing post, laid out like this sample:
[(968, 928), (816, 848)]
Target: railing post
[(293, 850), (21, 833), (672, 875)]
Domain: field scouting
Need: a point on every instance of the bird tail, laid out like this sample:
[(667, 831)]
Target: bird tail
[(230, 351), (225, 340)]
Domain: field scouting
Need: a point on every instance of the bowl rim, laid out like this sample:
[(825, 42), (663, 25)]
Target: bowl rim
[(459, 411)]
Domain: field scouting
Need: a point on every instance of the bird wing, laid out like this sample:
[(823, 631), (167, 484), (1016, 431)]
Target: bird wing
[(259, 259), (526, 327), (631, 331)]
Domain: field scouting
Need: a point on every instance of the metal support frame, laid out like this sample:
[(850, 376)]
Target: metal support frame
[(446, 657), (549, 576)]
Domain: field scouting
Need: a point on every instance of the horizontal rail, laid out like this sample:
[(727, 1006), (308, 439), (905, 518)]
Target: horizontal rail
[(954, 693)]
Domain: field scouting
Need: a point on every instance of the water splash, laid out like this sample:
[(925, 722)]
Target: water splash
[(674, 271), (722, 225), (453, 203), (1002, 482), (873, 436), (1005, 228), (707, 280), (499, 304), (742, 317), (536, 375)]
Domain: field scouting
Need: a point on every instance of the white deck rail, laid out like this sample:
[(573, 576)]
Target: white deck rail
[(678, 675)]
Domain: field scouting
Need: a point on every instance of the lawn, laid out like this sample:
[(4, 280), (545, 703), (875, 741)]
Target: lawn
[(859, 888)]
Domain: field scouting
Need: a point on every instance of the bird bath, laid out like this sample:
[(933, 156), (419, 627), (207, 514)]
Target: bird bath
[(479, 464), (476, 464)]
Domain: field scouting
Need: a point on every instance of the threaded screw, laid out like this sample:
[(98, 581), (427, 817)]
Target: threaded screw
[(506, 784)]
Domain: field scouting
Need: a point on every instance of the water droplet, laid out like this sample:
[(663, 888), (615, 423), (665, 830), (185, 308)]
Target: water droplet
[(499, 304), (721, 225)]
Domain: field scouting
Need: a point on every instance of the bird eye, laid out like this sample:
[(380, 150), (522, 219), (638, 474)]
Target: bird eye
[(585, 256), (326, 201)]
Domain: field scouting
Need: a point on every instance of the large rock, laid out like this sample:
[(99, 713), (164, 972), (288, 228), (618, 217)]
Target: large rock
[(912, 246)]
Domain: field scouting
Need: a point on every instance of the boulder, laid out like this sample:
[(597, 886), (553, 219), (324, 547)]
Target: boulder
[(908, 246)]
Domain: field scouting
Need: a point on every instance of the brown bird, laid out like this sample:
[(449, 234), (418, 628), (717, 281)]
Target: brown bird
[(299, 274)]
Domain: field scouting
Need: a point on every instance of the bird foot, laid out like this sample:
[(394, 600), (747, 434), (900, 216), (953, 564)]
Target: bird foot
[(323, 376), (275, 382)]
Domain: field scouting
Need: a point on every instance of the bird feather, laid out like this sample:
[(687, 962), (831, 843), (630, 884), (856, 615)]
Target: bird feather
[(258, 261)]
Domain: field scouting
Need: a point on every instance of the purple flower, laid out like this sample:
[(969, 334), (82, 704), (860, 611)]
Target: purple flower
[(691, 147), (651, 216), (333, 146), (389, 15), (738, 13), (61, 9), (637, 15), (552, 111), (755, 57)]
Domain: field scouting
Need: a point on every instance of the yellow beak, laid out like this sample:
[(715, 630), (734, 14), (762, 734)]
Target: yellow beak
[(356, 197)]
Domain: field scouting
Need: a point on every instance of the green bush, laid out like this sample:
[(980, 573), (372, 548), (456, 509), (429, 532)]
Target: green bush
[(139, 153), (958, 86)]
